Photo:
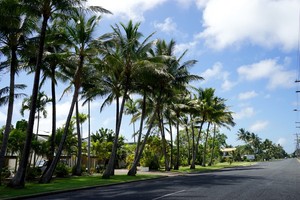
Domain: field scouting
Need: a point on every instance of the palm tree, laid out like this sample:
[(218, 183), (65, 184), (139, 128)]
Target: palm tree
[(126, 44), (79, 33), (41, 108), (45, 9), (14, 30), (131, 109)]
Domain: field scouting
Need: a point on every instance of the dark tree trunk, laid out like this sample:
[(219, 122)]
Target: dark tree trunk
[(171, 138), (132, 170), (10, 109), (176, 167), (163, 138), (79, 150), (47, 176), (205, 146), (18, 181), (213, 148)]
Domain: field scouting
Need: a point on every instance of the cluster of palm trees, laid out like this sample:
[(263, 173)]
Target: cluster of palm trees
[(262, 150), (56, 39)]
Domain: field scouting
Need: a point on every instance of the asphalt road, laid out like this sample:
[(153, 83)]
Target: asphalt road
[(268, 180)]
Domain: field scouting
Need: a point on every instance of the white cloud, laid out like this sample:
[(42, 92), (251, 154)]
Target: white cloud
[(277, 75), (168, 26), (129, 9), (217, 72), (245, 112), (247, 95), (266, 23), (282, 141), (258, 126)]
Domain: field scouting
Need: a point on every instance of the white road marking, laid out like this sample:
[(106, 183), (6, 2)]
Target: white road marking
[(168, 195)]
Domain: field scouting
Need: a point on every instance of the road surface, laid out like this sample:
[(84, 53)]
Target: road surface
[(268, 180)]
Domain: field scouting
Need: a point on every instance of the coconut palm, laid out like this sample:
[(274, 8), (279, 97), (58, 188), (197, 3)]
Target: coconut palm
[(127, 52), (14, 30), (79, 33), (44, 9)]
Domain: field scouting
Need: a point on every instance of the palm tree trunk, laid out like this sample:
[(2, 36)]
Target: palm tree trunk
[(163, 138), (189, 146), (171, 138), (89, 137), (195, 152), (79, 149), (193, 166), (213, 147), (176, 167), (47, 176), (37, 136), (10, 109), (109, 171), (141, 127), (18, 181), (132, 170), (205, 145)]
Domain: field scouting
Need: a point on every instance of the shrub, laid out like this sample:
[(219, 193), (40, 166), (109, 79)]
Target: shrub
[(32, 173), (61, 170), (5, 173)]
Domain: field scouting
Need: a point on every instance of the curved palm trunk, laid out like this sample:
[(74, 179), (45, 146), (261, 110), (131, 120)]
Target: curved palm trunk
[(141, 128), (195, 152), (205, 146), (47, 176), (164, 142), (10, 109), (133, 169), (110, 166), (79, 145), (18, 181)]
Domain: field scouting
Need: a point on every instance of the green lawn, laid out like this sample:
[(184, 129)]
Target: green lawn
[(199, 168), (61, 184)]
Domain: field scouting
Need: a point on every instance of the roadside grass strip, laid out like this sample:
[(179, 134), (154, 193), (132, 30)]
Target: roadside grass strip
[(69, 183), (199, 168)]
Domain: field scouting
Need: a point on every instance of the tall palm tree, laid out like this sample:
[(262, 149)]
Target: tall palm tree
[(182, 77), (79, 33), (45, 9), (14, 30), (42, 101), (127, 42)]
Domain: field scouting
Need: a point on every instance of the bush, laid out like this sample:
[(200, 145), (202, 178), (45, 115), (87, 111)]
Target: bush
[(33, 173), (61, 170), (5, 173)]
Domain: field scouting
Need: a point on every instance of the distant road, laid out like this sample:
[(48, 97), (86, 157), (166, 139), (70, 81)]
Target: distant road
[(268, 180)]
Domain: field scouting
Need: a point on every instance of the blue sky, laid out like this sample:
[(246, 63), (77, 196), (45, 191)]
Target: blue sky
[(246, 49)]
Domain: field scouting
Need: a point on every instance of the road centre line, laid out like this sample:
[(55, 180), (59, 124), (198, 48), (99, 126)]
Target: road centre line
[(168, 195)]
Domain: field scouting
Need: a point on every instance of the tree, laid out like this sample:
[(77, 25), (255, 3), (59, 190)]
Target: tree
[(45, 9), (14, 30), (79, 34), (127, 52), (131, 109)]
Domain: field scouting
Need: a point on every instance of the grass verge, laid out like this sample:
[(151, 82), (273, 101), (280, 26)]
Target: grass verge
[(62, 184), (186, 169)]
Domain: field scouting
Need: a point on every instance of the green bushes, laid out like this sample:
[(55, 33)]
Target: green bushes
[(33, 173), (62, 170)]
